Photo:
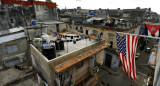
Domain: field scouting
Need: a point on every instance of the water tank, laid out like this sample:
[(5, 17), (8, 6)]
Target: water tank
[(59, 45), (49, 52), (46, 38)]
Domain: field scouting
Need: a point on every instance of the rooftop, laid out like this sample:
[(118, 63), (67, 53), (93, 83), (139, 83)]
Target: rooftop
[(70, 44)]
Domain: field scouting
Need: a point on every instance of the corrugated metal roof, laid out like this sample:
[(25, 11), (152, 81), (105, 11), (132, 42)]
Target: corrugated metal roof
[(95, 18), (52, 22), (16, 29), (12, 30), (11, 37)]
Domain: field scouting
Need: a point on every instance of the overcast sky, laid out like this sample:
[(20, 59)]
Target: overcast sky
[(111, 4)]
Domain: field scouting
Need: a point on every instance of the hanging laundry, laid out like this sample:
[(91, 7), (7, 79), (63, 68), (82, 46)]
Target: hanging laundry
[(89, 38), (99, 37), (71, 37), (70, 40), (79, 39), (74, 41), (77, 36), (54, 33), (82, 37), (101, 33)]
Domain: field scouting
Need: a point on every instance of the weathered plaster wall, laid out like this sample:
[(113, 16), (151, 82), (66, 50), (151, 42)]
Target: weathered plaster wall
[(106, 33), (21, 44), (14, 16), (100, 57), (78, 73), (53, 27), (43, 13)]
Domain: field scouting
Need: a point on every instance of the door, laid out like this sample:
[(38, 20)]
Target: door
[(57, 27), (108, 60), (111, 46), (86, 32)]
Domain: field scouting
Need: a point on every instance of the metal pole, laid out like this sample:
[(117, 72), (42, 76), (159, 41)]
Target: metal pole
[(138, 35), (67, 47)]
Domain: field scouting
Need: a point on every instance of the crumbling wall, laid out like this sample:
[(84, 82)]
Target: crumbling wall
[(15, 16), (21, 44), (43, 13)]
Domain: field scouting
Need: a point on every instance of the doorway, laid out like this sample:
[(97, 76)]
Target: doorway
[(108, 60), (57, 27)]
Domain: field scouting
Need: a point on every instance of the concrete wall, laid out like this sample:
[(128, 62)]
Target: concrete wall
[(40, 63), (106, 33), (14, 16), (78, 73), (45, 67), (21, 44), (43, 13), (100, 57), (114, 62), (68, 56), (157, 70), (53, 27)]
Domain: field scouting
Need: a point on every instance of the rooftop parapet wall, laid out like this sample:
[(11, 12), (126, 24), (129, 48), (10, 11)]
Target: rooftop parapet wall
[(40, 63), (60, 60)]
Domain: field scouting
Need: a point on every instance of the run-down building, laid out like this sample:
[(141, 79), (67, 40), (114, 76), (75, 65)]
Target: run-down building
[(74, 63), (13, 47), (111, 59)]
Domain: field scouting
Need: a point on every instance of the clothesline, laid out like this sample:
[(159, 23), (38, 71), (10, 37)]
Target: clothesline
[(138, 35)]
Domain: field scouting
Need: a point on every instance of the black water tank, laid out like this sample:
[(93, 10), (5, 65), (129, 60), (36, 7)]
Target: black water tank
[(59, 45), (49, 52)]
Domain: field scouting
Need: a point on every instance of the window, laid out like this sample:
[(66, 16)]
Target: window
[(76, 27), (111, 40), (79, 65), (110, 37), (11, 20), (12, 48)]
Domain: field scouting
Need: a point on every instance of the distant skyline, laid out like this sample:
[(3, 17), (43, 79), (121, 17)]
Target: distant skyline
[(109, 4)]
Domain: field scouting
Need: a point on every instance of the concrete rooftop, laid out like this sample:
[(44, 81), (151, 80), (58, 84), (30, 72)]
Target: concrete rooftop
[(70, 46)]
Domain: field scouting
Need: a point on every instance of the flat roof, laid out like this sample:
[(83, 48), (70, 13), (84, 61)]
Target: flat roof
[(71, 62), (50, 23), (12, 30), (70, 46), (12, 37)]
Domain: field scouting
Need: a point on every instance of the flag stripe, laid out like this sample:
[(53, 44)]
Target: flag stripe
[(127, 50)]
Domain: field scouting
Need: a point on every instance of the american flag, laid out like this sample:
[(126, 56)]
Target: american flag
[(126, 50)]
